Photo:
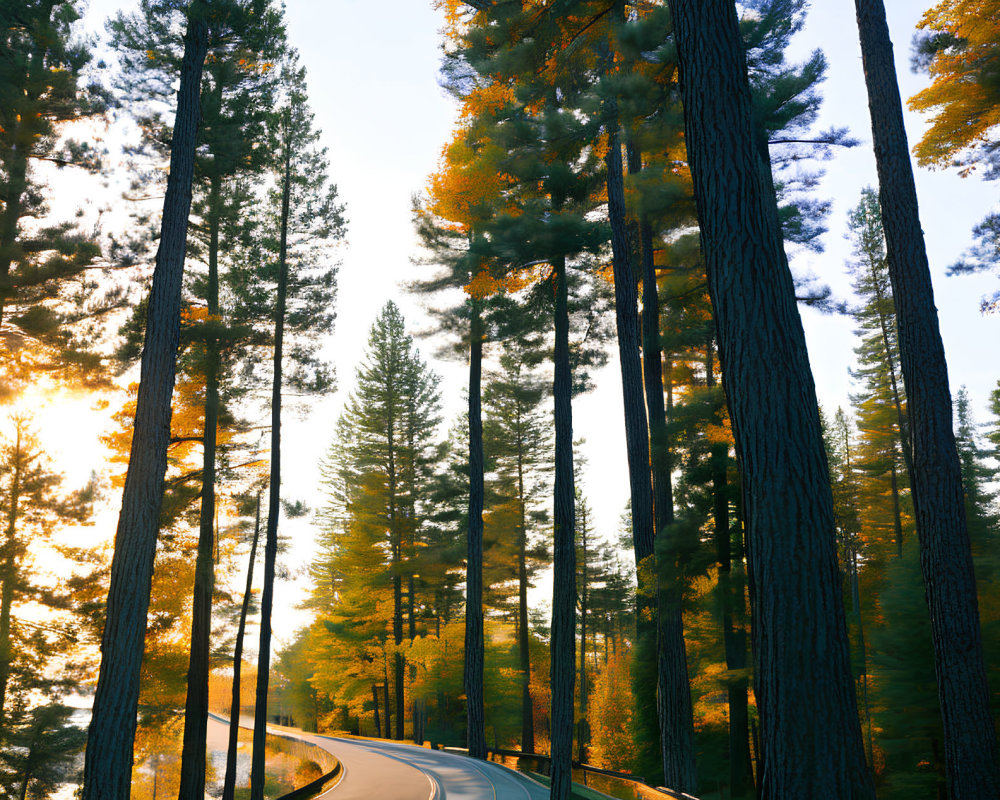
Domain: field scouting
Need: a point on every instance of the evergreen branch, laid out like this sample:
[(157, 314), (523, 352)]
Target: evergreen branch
[(821, 140)]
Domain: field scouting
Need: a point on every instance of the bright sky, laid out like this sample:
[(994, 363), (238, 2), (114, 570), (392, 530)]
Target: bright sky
[(373, 84)]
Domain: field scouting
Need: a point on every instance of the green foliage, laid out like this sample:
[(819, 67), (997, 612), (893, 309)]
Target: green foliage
[(314, 226), (40, 753), (49, 291), (909, 737), (518, 448), (40, 623), (982, 514), (374, 530), (880, 402)]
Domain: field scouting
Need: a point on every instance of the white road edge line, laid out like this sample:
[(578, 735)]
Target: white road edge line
[(435, 786)]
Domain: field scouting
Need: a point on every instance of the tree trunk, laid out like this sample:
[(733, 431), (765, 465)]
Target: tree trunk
[(396, 545), (108, 765), (583, 728), (9, 575), (732, 601), (523, 637), (474, 657), (676, 718), (17, 183), (897, 512), (563, 550), (646, 682), (192, 777), (388, 714), (733, 633), (890, 362), (16, 186), (799, 631), (229, 783), (378, 723), (273, 502), (938, 501)]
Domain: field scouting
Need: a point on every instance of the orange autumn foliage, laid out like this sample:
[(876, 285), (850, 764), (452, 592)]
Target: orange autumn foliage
[(963, 94)]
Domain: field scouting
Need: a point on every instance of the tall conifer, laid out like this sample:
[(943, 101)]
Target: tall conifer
[(791, 548), (946, 561)]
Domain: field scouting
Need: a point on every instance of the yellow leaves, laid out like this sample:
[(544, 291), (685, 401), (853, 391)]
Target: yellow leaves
[(485, 100), (483, 285), (606, 272), (469, 184), (720, 434), (252, 66), (963, 99), (151, 55)]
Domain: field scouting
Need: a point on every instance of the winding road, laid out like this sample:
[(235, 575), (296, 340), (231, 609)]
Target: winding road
[(377, 770)]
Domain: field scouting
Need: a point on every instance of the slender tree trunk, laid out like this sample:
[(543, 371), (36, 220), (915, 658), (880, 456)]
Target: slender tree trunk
[(733, 634), (897, 513), (863, 650), (273, 502), (192, 777), (388, 713), (563, 551), (229, 783), (474, 657), (676, 717), (647, 660), (6, 600), (16, 184), (800, 635), (938, 500), (411, 593), (523, 637), (108, 765), (583, 729), (9, 566), (396, 544), (378, 723), (890, 363)]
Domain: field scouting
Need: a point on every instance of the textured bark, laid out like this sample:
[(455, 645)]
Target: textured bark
[(192, 777), (945, 552), (108, 766), (799, 633), (273, 502), (473, 674), (563, 640), (229, 782)]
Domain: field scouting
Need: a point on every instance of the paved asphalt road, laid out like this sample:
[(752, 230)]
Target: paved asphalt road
[(375, 770)]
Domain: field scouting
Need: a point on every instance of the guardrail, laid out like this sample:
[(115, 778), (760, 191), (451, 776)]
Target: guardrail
[(647, 790), (312, 788), (301, 749)]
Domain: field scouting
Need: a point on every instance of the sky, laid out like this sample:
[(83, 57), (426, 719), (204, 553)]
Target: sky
[(372, 74)]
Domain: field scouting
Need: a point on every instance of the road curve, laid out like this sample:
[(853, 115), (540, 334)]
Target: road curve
[(374, 770)]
